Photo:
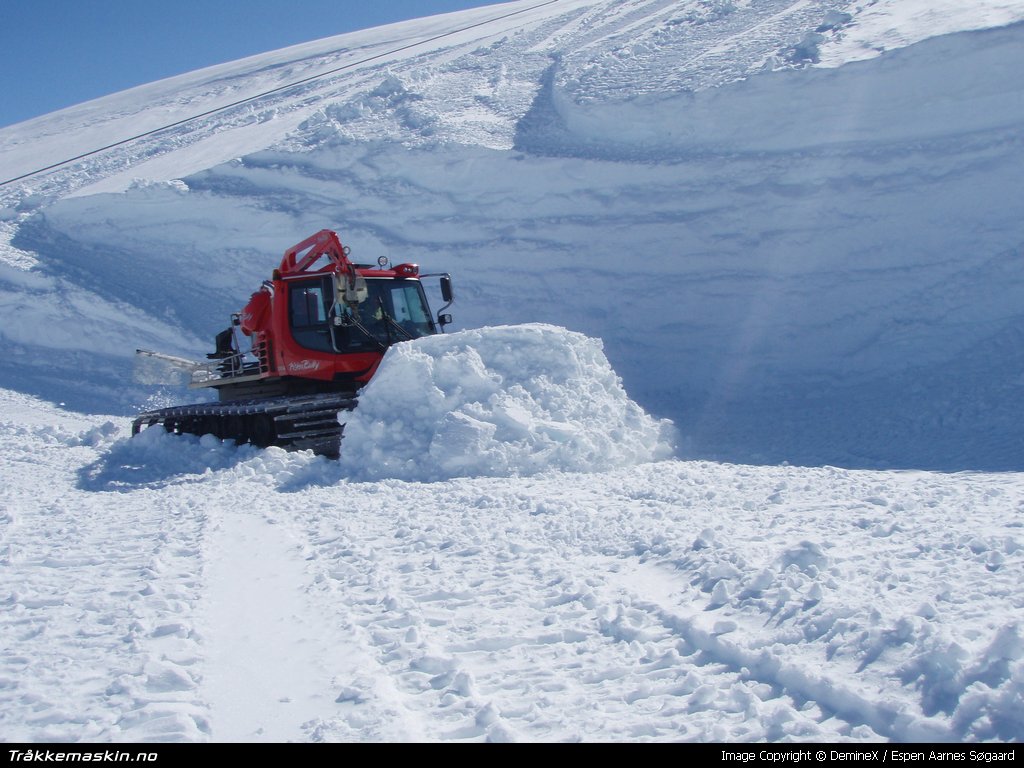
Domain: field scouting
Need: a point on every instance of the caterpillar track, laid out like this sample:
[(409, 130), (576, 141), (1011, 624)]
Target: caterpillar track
[(292, 423)]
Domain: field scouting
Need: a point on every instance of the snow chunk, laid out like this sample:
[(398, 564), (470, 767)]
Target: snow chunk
[(834, 20), (807, 556), (503, 401)]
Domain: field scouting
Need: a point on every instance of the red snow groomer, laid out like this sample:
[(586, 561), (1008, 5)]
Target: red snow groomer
[(302, 347)]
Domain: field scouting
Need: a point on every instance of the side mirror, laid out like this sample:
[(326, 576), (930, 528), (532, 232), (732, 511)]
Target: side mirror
[(446, 289), (444, 320)]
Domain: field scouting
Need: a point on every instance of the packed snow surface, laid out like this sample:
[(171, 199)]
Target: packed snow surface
[(781, 238), (171, 588)]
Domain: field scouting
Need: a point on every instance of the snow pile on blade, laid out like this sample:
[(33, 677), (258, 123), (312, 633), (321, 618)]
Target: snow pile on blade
[(504, 401)]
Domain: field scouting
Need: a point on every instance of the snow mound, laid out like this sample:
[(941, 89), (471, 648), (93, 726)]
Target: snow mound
[(501, 401)]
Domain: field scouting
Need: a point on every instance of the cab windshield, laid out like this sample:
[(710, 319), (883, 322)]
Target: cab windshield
[(394, 310)]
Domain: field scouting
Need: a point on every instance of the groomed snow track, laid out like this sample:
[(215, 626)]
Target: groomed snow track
[(292, 423)]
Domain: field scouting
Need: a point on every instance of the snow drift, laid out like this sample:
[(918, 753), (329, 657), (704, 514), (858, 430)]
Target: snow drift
[(502, 401)]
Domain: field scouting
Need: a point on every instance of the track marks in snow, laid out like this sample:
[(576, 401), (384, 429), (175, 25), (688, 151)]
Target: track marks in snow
[(274, 661), (788, 623), (97, 596), (629, 611), (671, 601)]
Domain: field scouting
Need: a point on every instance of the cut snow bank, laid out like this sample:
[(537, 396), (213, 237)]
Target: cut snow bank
[(952, 85), (511, 400)]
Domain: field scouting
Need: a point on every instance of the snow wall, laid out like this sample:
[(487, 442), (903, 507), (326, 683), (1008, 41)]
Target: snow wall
[(952, 85)]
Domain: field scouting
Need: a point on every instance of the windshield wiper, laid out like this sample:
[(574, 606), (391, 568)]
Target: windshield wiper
[(350, 320), (391, 321)]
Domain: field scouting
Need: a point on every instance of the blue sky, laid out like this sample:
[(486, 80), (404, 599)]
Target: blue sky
[(56, 53)]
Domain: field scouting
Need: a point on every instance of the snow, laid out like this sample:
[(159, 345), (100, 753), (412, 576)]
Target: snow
[(179, 588), (724, 446), (499, 401)]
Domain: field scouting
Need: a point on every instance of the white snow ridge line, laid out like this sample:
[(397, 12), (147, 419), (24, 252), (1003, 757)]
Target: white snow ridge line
[(889, 720)]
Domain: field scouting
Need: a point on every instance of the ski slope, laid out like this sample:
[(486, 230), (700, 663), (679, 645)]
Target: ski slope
[(724, 445)]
